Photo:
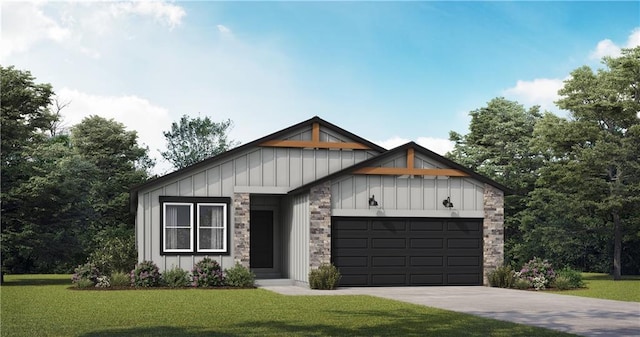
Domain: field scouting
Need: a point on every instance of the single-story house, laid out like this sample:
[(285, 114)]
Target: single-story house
[(315, 193)]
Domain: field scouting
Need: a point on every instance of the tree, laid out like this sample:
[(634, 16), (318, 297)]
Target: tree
[(592, 159), (195, 139), (497, 146), (120, 162), (24, 116)]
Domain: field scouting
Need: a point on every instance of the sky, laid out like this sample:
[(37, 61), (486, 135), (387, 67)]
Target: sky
[(390, 72)]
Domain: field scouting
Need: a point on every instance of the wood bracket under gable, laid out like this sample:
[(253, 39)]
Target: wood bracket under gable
[(410, 169), (315, 142)]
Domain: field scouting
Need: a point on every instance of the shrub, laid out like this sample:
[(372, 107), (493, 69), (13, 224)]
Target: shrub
[(120, 279), (207, 273), (146, 274), (538, 272), (85, 283), (85, 272), (562, 282), (103, 282), (325, 277), (116, 251), (573, 277), (502, 277), (175, 277), (522, 284), (239, 276)]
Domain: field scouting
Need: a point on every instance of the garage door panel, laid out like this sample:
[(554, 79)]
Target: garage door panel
[(352, 261), (426, 261), (427, 279), (463, 243), (407, 251), (417, 226), (354, 279), (464, 226), (465, 261), (384, 243), (463, 279), (393, 226), (388, 279), (352, 243), (389, 261), (426, 243)]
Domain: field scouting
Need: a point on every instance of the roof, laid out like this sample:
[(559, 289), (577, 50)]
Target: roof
[(401, 149), (234, 151)]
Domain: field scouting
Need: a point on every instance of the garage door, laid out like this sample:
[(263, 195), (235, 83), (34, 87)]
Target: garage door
[(407, 251)]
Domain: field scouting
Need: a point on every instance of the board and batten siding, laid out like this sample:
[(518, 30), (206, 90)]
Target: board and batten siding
[(296, 238), (257, 170)]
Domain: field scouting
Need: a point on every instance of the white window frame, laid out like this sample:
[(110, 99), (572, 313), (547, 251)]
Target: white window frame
[(225, 226), (165, 227)]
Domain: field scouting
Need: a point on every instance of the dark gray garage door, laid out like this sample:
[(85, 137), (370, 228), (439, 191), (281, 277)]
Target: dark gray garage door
[(407, 251)]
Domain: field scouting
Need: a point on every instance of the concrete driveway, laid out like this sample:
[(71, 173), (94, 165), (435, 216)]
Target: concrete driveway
[(573, 314)]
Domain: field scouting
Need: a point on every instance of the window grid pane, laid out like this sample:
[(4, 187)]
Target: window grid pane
[(212, 227), (178, 227)]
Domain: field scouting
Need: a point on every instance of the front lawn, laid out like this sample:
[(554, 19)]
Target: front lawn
[(41, 305), (603, 286)]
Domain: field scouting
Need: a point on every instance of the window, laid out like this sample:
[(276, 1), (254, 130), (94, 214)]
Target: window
[(194, 225)]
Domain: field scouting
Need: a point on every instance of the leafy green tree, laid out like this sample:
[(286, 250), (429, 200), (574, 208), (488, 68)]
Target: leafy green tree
[(591, 167), (121, 164), (24, 115), (497, 146), (194, 139)]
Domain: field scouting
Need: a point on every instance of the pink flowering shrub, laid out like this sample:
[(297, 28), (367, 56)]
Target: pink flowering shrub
[(207, 273), (146, 274), (538, 272), (86, 274)]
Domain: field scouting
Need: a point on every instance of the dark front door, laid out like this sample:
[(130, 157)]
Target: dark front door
[(407, 251), (261, 238)]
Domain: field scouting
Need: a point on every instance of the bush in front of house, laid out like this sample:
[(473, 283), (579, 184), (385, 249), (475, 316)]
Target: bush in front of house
[(207, 273), (538, 272), (176, 277), (146, 274), (568, 278), (103, 282), (120, 279), (239, 276), (502, 277), (85, 275), (325, 277)]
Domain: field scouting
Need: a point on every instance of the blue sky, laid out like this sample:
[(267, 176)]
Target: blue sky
[(388, 71)]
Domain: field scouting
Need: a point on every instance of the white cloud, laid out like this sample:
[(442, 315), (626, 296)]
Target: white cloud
[(438, 145), (223, 29), (136, 113), (25, 24), (168, 14), (540, 91), (607, 47)]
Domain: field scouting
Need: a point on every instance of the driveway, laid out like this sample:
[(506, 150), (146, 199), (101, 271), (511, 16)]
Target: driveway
[(573, 314)]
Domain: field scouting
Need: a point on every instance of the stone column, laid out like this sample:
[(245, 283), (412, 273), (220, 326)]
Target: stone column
[(493, 230), (320, 224), (241, 228)]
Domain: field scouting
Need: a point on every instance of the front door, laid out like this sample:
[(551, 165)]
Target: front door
[(261, 247)]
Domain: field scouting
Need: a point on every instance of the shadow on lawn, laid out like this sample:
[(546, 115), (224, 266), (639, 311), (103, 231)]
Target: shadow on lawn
[(157, 331), (43, 281), (389, 323)]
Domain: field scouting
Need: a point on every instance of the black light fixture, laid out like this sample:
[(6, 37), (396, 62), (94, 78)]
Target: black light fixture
[(372, 201), (447, 202)]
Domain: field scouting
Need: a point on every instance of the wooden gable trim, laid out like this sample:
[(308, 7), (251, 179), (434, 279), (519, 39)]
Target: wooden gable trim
[(410, 169), (315, 142)]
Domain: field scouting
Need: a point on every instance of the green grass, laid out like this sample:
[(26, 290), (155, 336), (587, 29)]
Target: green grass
[(603, 286), (42, 305)]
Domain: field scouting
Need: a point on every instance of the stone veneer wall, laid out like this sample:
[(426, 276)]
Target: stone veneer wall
[(320, 225), (241, 228), (493, 230)]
